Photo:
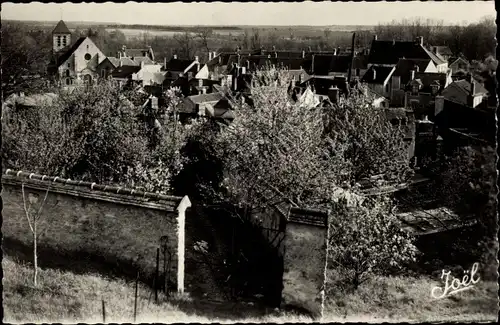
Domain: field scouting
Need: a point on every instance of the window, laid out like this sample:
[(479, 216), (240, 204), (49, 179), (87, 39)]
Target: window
[(64, 40), (415, 89), (103, 73), (58, 41), (358, 72), (68, 81), (87, 56), (67, 73)]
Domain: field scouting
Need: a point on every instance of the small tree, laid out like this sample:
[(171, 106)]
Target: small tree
[(367, 239), (373, 146), (33, 218)]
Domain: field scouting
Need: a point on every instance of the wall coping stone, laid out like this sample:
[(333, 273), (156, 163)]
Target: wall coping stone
[(311, 217), (90, 190)]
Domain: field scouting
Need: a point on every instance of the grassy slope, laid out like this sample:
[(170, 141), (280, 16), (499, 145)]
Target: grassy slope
[(69, 298), (66, 297), (409, 299)]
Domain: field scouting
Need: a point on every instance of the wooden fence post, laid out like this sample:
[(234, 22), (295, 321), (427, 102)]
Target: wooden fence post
[(157, 277), (135, 296), (103, 312)]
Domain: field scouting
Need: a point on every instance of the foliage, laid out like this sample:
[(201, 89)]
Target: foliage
[(87, 133), (274, 148), (371, 144), (367, 239), (466, 182), (474, 41), (24, 59)]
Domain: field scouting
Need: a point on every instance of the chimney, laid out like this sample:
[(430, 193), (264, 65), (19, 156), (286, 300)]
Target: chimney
[(303, 54), (142, 64), (196, 59), (335, 51), (420, 40), (333, 94), (220, 59), (309, 49), (121, 63), (175, 56), (210, 56), (248, 65), (274, 48), (165, 63), (243, 70), (374, 74), (412, 75), (438, 105), (204, 90), (276, 54), (214, 54), (393, 42), (200, 82), (375, 37), (312, 64)]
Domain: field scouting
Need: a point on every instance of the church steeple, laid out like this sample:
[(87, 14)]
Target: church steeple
[(61, 37)]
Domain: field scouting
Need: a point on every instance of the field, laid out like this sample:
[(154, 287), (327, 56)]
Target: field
[(63, 296)]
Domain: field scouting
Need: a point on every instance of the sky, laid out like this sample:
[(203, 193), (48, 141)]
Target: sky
[(281, 14)]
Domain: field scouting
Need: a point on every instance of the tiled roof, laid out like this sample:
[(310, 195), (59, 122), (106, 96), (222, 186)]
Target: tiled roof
[(61, 28), (436, 58), (459, 91), (125, 71), (70, 51), (389, 52), (203, 98), (443, 50), (145, 59), (321, 64), (360, 62), (128, 62), (340, 63), (136, 52), (404, 67), (429, 78), (114, 61), (381, 74), (178, 65)]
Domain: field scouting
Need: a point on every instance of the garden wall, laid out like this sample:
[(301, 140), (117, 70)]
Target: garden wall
[(90, 227), (305, 260)]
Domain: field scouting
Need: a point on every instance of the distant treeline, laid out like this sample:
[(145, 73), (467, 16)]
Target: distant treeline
[(167, 28)]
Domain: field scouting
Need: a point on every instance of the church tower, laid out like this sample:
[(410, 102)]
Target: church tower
[(61, 37)]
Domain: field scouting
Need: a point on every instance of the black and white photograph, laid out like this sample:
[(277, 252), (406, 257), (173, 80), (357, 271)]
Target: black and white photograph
[(249, 162)]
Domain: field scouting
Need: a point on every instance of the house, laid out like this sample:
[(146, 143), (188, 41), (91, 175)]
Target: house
[(73, 63), (462, 114), (149, 75), (468, 93), (180, 67), (123, 74), (108, 65), (214, 105), (459, 67), (388, 53), (377, 78), (405, 69), (137, 54), (442, 52), (422, 89)]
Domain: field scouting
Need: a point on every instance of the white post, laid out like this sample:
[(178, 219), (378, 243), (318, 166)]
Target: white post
[(181, 222)]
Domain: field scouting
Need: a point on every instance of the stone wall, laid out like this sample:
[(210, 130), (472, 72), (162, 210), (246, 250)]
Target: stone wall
[(305, 260), (84, 224)]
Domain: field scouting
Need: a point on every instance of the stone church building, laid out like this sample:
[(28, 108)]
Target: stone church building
[(73, 62)]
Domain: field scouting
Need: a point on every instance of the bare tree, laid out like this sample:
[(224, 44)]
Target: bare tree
[(186, 42), (33, 218), (203, 35)]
